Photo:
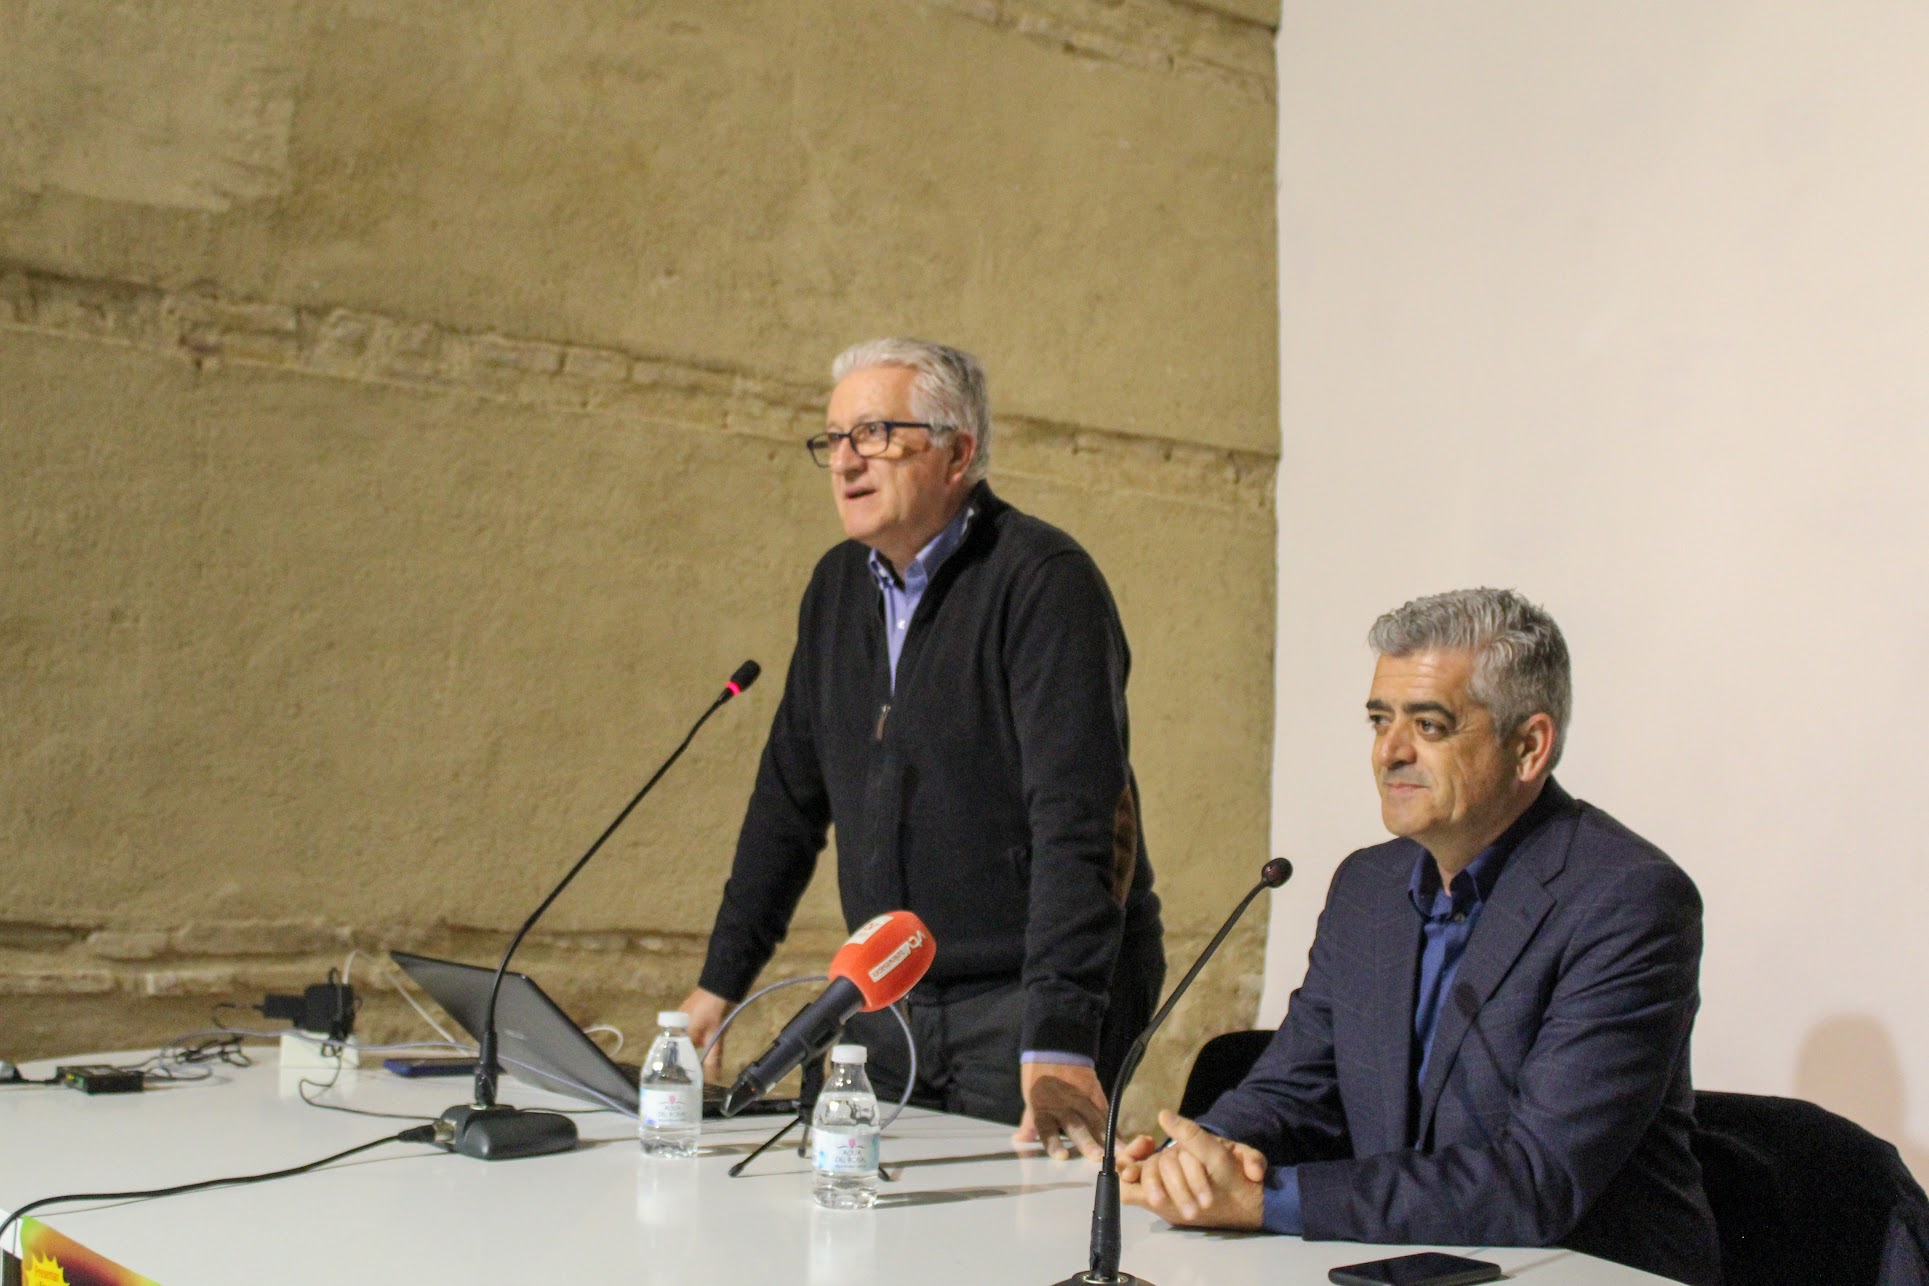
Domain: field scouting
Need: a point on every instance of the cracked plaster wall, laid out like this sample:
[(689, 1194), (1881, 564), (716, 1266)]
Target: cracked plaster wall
[(399, 420)]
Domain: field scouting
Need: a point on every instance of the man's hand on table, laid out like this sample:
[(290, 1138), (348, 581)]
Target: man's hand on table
[(1062, 1100)]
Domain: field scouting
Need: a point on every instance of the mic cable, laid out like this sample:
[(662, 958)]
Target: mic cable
[(418, 1134)]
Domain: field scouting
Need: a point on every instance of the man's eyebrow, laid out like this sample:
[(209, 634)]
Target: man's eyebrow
[(1375, 705)]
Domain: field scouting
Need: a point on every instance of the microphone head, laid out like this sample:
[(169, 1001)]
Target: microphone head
[(746, 674), (1276, 872), (885, 958)]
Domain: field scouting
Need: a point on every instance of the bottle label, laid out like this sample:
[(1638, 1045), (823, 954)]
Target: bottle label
[(671, 1105), (844, 1151)]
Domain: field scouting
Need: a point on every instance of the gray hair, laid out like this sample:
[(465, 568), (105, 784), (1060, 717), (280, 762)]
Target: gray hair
[(949, 389), (1521, 666)]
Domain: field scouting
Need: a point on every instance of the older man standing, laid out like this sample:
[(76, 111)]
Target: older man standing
[(1491, 1043), (955, 708)]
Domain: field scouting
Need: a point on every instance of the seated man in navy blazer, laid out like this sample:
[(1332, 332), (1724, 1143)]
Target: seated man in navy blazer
[(1491, 1044)]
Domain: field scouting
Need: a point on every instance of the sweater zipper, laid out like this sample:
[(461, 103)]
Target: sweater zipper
[(883, 713)]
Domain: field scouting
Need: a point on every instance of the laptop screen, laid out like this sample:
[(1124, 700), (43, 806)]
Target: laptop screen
[(536, 1041)]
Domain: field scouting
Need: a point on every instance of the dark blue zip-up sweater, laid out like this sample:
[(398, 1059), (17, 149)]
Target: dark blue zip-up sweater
[(991, 794)]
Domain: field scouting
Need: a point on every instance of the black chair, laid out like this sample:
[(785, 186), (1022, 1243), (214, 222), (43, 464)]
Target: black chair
[(1222, 1063), (1802, 1196)]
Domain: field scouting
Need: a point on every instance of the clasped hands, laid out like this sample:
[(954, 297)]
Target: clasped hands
[(1201, 1181)]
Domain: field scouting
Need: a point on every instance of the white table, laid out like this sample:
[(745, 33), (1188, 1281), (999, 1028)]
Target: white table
[(966, 1209)]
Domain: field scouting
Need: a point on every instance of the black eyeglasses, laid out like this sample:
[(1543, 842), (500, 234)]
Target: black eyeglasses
[(871, 438)]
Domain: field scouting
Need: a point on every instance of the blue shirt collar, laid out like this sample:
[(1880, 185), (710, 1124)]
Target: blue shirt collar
[(916, 576), (1473, 886)]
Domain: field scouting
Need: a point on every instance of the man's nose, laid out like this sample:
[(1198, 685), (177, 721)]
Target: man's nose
[(1392, 748), (844, 457)]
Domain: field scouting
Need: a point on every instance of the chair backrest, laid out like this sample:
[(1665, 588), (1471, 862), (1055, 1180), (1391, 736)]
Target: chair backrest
[(1801, 1196), (1222, 1063)]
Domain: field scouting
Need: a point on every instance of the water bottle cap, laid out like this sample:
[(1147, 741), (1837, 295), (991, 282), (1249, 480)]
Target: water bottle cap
[(848, 1053), (672, 1018)]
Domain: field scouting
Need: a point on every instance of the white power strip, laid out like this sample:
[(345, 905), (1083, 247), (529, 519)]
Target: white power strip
[(302, 1052)]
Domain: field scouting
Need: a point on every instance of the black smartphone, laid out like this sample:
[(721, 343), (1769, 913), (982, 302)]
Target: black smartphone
[(1428, 1268), (430, 1066)]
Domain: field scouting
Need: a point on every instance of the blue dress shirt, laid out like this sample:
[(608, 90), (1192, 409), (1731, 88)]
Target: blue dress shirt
[(903, 592)]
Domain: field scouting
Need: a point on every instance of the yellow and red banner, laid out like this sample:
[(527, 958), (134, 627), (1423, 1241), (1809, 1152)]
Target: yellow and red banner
[(49, 1259)]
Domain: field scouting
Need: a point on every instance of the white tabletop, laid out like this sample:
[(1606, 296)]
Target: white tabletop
[(967, 1208)]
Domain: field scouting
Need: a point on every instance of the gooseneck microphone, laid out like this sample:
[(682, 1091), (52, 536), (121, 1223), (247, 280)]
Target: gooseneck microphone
[(1104, 1270), (877, 966), (492, 1132)]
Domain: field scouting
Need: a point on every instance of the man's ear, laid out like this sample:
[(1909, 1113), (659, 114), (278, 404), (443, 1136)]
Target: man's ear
[(964, 449), (1533, 745)]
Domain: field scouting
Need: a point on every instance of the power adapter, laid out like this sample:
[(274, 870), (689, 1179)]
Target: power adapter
[(326, 1009)]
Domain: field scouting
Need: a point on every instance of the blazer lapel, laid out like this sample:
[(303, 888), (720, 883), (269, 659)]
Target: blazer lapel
[(1396, 949), (1514, 911)]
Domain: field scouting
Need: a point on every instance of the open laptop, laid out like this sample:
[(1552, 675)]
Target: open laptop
[(537, 1042)]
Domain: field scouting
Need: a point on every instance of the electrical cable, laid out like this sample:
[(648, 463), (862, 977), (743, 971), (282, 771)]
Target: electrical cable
[(322, 1087), (401, 988), (198, 1051), (322, 1042), (313, 1038), (751, 999), (179, 1060), (303, 1085), (590, 1031), (550, 1074), (420, 1134), (11, 1075), (332, 1049)]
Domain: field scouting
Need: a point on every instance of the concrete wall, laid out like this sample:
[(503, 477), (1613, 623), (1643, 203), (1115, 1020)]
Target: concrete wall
[(400, 422), (1625, 305)]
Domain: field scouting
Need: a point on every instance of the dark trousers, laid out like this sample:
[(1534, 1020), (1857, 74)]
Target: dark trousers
[(968, 1037)]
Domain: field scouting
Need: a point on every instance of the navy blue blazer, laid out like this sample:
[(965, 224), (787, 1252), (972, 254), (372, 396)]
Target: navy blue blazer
[(1558, 1106)]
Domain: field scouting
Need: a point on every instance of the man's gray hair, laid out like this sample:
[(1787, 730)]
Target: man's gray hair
[(949, 389), (1521, 666)]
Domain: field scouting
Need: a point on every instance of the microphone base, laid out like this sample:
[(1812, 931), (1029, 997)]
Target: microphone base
[(1089, 1278), (504, 1133)]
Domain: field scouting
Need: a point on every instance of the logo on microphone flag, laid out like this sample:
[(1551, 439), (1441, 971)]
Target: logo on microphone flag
[(897, 957)]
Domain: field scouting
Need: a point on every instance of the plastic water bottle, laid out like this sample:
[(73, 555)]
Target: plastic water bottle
[(843, 1135), (670, 1108)]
